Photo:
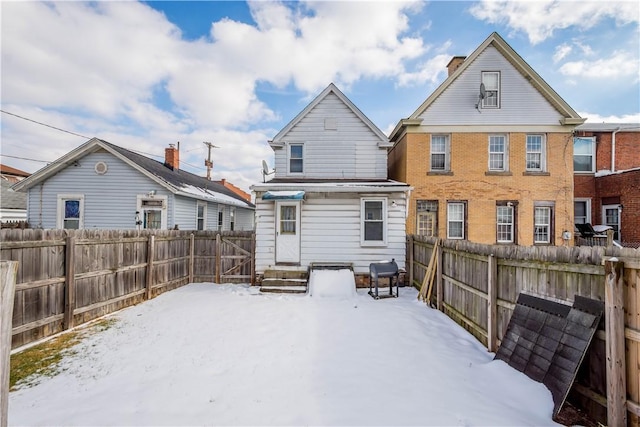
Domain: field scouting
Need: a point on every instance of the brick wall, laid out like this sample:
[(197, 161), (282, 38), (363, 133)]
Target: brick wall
[(626, 187), (470, 181)]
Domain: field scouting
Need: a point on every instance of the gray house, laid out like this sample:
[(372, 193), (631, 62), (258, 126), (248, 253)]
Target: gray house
[(102, 186)]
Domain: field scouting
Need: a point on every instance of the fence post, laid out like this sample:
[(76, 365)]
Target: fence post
[(615, 343), (191, 256), (70, 280), (217, 266), (150, 255), (410, 263), (8, 273), (492, 303), (439, 282)]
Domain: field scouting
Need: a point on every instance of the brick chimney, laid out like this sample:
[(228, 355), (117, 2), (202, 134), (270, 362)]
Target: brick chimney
[(172, 157), (455, 62)]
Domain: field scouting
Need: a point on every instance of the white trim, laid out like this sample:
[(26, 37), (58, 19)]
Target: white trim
[(289, 158), (593, 154), (204, 214), (163, 209), (617, 208), (60, 209), (587, 201), (384, 220), (504, 152), (449, 204), (543, 152)]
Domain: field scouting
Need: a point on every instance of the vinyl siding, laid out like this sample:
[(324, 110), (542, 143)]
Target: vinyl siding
[(109, 199), (351, 151), (520, 102), (340, 216)]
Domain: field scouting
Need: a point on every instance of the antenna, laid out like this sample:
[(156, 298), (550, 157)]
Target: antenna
[(481, 96), (265, 171)]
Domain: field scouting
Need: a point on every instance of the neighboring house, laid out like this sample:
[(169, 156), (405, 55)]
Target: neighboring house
[(607, 178), (12, 175), (330, 200), (100, 185), (489, 154), (13, 205)]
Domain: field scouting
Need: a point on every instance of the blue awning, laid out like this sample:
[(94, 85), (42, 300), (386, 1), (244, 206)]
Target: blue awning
[(283, 195)]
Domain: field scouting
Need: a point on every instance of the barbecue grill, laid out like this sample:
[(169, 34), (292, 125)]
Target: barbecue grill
[(380, 270)]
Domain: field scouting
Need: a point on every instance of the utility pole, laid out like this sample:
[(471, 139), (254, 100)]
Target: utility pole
[(208, 163)]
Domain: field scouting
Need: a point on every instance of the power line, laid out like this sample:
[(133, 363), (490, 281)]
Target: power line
[(25, 158), (44, 124)]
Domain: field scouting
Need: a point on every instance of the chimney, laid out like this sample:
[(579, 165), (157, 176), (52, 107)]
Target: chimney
[(455, 62), (172, 157)]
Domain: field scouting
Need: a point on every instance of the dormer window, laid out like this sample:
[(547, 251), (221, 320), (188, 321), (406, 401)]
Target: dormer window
[(491, 82), (296, 160)]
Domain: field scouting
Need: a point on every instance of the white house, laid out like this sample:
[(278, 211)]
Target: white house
[(330, 201)]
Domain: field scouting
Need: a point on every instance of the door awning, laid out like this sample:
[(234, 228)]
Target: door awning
[(283, 195)]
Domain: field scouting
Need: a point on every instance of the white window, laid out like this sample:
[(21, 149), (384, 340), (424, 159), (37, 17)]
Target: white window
[(232, 219), (536, 153), (440, 153), (542, 224), (70, 211), (373, 229), (584, 154), (153, 212), (582, 211), (611, 217), (201, 216), (498, 153), (491, 82), (455, 220), (220, 219), (505, 220), (296, 158)]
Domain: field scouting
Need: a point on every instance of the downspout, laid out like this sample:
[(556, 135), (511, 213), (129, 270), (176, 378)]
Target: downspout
[(613, 149)]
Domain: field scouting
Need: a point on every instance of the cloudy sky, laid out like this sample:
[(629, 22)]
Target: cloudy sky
[(143, 75)]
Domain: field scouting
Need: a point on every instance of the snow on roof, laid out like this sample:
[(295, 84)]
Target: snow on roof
[(210, 195), (607, 172)]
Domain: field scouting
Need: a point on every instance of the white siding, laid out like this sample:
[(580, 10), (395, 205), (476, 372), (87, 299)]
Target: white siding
[(330, 232), (520, 102), (350, 151)]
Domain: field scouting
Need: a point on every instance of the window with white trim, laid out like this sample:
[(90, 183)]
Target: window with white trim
[(536, 153), (201, 216), (440, 153), (498, 153), (542, 225), (582, 211), (232, 218), (296, 158), (456, 220), (505, 223), (491, 82), (220, 219), (373, 221), (584, 154), (153, 212), (70, 211)]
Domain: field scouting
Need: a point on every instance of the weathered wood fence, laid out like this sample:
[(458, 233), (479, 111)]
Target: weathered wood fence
[(69, 277), (478, 285)]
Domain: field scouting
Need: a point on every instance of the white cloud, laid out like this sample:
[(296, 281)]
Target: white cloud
[(597, 118), (429, 71), (619, 64), (539, 19), (561, 52)]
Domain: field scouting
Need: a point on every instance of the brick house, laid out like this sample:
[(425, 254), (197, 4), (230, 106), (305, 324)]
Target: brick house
[(607, 178), (489, 154)]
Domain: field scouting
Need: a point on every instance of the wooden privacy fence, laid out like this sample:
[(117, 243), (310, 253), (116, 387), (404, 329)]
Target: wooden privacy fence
[(69, 277), (478, 285)]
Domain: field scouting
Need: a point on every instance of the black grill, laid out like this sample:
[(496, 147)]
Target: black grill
[(380, 270)]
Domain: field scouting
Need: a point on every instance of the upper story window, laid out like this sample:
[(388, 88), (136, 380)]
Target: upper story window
[(373, 222), (70, 211), (498, 153), (584, 154), (536, 153), (440, 153), (296, 160), (491, 82)]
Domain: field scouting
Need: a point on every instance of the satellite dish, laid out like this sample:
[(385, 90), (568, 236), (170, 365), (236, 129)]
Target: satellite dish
[(265, 170), (483, 92)]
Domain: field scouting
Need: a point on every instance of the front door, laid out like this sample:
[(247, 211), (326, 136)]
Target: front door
[(288, 232)]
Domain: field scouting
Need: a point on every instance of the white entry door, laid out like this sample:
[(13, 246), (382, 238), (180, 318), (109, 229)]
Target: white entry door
[(288, 232), (611, 217)]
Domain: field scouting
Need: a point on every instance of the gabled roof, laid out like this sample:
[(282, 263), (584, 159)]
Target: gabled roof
[(176, 181), (570, 116), (328, 90)]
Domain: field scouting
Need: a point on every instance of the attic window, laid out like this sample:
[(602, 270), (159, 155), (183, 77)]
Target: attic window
[(101, 168), (491, 82), (330, 123)]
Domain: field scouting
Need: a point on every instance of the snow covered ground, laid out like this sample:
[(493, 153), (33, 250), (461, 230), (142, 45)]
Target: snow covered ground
[(208, 354)]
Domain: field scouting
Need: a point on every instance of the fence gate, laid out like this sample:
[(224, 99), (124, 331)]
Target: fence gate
[(234, 258)]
